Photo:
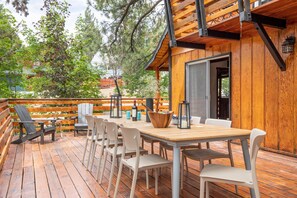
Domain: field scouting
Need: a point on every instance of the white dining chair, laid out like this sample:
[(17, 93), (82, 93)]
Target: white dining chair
[(90, 135), (131, 142), (115, 151), (231, 175), (202, 155), (98, 142)]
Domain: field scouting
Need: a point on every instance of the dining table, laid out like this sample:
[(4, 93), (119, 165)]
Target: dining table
[(177, 138)]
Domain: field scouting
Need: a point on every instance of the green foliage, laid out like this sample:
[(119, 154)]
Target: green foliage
[(88, 38), (164, 84), (133, 29), (225, 87), (64, 68), (10, 52)]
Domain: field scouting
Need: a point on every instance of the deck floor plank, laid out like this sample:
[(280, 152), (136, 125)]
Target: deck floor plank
[(52, 177), (15, 186), (28, 189), (124, 187), (42, 187), (55, 169), (64, 178), (76, 178), (6, 172)]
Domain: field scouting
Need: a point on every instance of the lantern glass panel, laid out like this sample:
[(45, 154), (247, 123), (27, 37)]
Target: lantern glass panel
[(116, 106), (184, 115)]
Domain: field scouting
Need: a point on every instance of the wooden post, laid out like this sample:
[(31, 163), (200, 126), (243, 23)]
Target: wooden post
[(158, 94)]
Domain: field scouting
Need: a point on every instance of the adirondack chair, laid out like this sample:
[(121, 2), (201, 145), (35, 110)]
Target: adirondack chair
[(81, 122), (30, 126)]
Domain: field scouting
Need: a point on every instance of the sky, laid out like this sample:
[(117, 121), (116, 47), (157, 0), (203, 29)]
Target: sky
[(77, 7)]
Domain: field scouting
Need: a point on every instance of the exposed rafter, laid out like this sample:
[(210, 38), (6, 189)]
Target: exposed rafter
[(190, 45), (259, 22)]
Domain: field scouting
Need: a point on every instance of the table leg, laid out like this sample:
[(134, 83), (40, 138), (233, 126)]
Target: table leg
[(247, 161), (176, 172)]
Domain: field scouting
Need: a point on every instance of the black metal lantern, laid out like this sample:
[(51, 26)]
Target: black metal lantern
[(116, 104), (184, 115), (288, 45)]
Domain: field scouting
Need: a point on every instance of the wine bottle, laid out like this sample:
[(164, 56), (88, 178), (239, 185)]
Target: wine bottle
[(134, 111)]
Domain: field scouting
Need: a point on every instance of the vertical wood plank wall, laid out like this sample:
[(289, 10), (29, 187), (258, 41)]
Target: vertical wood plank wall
[(262, 95)]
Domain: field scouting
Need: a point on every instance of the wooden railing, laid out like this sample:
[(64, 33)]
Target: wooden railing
[(6, 130), (65, 109), (185, 17)]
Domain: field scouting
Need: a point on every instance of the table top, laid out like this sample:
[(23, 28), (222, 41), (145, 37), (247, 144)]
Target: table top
[(174, 134)]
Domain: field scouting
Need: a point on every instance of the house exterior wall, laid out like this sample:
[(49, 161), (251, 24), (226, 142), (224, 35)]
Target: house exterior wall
[(262, 96)]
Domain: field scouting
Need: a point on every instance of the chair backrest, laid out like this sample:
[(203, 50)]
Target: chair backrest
[(99, 127), (91, 123), (218, 122), (83, 110), (256, 138), (196, 120), (131, 139), (24, 115), (111, 131)]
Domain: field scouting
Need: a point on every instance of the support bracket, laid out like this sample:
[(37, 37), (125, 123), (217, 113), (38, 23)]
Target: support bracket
[(170, 26), (260, 20), (202, 25), (270, 46)]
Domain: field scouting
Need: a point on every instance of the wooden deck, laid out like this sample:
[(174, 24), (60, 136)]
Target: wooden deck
[(56, 170)]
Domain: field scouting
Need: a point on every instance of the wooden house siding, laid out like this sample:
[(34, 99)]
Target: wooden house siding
[(262, 95)]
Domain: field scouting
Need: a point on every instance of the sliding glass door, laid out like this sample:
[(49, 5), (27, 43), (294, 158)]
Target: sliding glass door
[(198, 88)]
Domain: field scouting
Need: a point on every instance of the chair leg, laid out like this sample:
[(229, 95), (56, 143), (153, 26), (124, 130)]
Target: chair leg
[(42, 138), (207, 189), (152, 147), (156, 182), (134, 183), (201, 165), (91, 153), (182, 173), (111, 174), (118, 179), (256, 188), (142, 143), (231, 161), (104, 163), (147, 179), (99, 160), (53, 136), (186, 162), (166, 156), (202, 186), (86, 145)]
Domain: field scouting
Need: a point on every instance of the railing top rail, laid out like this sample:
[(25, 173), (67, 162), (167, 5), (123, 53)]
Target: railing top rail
[(27, 99)]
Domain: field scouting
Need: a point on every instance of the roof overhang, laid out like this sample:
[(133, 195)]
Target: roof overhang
[(159, 59)]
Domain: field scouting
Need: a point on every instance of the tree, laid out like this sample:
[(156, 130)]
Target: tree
[(10, 50), (133, 29), (65, 70), (88, 36), (20, 6)]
